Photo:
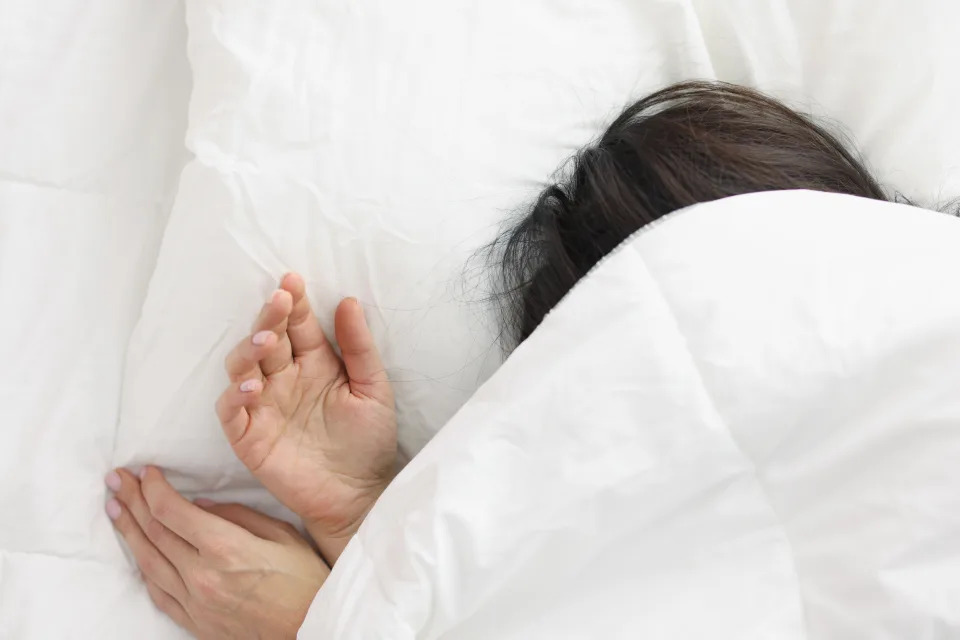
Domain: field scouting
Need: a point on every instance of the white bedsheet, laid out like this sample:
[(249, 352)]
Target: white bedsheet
[(92, 113)]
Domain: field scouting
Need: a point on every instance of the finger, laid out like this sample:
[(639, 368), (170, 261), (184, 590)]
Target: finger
[(152, 563), (259, 524), (273, 312), (169, 605), (243, 361), (235, 405), (306, 336), (360, 356), (273, 317), (171, 545), (194, 525)]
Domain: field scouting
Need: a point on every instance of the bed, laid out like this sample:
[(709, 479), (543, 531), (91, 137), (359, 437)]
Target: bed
[(165, 163)]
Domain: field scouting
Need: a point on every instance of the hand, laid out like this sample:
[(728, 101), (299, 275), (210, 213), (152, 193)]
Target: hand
[(223, 571), (319, 432)]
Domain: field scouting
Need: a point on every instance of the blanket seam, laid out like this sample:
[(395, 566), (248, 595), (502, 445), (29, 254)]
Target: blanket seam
[(710, 398)]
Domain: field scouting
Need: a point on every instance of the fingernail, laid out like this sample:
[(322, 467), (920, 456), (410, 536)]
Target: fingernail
[(261, 338), (113, 509), (363, 316), (276, 295), (250, 385), (143, 473), (113, 481), (204, 502)]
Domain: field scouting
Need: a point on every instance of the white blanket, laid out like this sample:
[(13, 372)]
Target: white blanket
[(743, 424)]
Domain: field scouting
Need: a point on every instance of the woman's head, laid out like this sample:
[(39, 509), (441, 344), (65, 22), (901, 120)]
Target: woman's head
[(690, 143)]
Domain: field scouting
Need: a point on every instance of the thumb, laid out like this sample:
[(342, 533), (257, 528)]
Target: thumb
[(360, 356)]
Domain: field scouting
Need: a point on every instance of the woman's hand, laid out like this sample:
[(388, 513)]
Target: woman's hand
[(221, 571), (320, 432)]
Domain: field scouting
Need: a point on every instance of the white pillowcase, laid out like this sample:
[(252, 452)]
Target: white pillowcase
[(376, 147), (885, 70)]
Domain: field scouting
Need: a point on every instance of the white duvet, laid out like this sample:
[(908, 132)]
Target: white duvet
[(742, 424), (374, 146)]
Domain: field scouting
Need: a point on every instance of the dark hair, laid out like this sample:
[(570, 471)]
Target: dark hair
[(690, 143)]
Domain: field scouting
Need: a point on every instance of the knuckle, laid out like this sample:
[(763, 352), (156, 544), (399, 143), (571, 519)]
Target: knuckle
[(163, 604), (160, 508), (129, 529), (127, 490), (206, 585), (154, 530), (150, 564), (122, 523), (222, 549), (160, 600)]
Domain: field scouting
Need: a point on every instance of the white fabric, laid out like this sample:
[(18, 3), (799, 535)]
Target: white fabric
[(373, 145), (378, 146), (93, 101), (742, 424)]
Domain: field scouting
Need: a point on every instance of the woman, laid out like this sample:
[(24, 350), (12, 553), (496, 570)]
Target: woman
[(319, 431)]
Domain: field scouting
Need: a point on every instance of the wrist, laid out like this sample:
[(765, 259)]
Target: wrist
[(329, 546), (333, 532)]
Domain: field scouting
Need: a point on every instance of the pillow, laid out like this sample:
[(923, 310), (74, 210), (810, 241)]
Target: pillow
[(884, 70), (377, 148)]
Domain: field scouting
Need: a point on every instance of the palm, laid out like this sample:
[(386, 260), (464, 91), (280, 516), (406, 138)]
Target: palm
[(318, 447), (319, 432)]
